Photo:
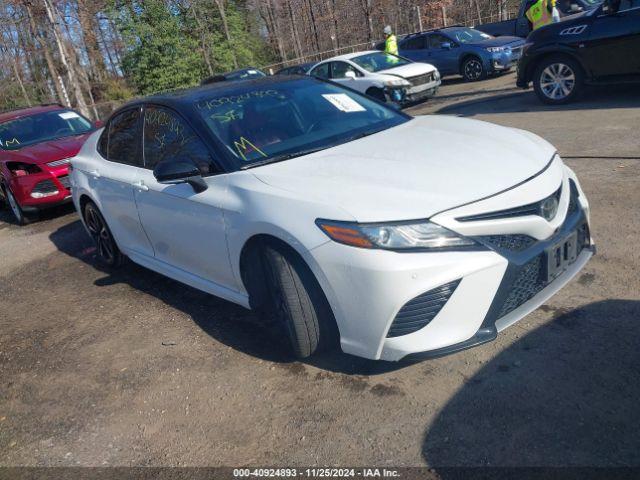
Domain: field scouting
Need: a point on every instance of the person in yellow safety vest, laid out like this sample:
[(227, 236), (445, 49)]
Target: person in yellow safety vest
[(391, 42), (541, 13)]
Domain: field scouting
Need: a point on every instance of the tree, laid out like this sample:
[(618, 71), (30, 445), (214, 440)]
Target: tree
[(158, 55)]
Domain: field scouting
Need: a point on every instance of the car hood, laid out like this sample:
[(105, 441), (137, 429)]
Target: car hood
[(415, 170), (50, 151), (410, 70), (499, 42)]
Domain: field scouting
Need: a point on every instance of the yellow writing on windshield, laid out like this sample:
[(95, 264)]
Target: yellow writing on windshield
[(244, 146)]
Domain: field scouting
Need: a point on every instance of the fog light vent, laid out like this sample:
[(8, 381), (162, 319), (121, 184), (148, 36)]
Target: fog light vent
[(46, 188), (417, 313)]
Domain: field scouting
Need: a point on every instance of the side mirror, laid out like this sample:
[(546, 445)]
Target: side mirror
[(180, 171), (350, 74), (446, 46)]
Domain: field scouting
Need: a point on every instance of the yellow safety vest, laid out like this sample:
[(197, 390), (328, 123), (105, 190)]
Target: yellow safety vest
[(539, 14), (391, 45)]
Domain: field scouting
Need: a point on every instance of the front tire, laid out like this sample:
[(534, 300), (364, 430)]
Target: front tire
[(19, 215), (378, 94), (298, 303), (473, 69), (558, 80), (108, 252)]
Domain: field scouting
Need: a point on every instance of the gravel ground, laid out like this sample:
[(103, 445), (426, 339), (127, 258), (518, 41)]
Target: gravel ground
[(129, 368)]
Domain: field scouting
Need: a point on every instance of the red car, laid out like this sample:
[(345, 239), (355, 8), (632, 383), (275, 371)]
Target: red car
[(36, 145)]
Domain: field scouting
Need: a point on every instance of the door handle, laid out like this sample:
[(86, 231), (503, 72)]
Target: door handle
[(94, 173), (141, 186)]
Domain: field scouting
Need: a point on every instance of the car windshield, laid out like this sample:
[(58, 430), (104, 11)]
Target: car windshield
[(41, 127), (245, 74), (377, 61), (260, 123), (470, 35)]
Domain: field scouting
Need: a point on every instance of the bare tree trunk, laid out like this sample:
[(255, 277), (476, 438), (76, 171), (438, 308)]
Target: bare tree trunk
[(206, 52), (74, 82), (53, 71), (225, 26), (335, 24), (366, 7), (86, 14), (296, 37), (314, 26)]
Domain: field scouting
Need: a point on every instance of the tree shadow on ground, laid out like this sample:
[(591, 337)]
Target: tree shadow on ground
[(567, 394), (228, 323), (620, 96)]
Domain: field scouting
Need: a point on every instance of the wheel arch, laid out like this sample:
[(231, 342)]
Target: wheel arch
[(252, 273), (466, 56), (544, 55)]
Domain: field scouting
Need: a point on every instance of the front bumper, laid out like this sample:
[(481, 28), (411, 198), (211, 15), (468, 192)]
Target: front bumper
[(494, 287), (44, 189), (503, 61)]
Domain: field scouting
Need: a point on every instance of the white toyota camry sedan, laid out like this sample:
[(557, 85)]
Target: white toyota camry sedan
[(345, 221)]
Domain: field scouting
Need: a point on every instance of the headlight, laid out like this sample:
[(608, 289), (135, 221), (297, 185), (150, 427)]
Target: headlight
[(395, 236), (396, 82), (19, 169), (495, 49)]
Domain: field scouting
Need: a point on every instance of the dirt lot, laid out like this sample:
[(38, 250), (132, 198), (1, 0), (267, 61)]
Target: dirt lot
[(129, 368)]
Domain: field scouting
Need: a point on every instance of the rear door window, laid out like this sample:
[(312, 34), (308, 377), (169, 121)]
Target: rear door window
[(125, 138), (416, 43)]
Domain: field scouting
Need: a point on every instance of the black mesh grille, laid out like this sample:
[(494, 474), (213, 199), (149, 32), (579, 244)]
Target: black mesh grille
[(421, 79), (417, 313), (513, 243), (64, 180), (527, 285), (46, 186), (531, 278)]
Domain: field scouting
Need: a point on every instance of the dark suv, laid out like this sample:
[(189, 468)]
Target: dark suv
[(598, 47)]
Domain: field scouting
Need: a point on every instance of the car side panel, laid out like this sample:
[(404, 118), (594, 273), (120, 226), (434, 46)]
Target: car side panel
[(109, 185)]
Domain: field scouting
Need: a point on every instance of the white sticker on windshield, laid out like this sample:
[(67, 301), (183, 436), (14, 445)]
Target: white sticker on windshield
[(68, 115), (344, 102)]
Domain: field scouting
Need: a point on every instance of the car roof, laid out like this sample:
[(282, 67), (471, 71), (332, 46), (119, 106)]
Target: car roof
[(436, 30), (25, 112), (349, 56), (187, 97)]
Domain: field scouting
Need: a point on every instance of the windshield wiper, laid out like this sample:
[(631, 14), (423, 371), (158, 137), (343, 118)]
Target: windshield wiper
[(289, 156), (286, 156)]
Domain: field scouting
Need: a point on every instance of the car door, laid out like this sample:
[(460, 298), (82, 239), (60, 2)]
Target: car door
[(111, 180), (416, 49), (339, 73), (186, 228), (442, 57), (611, 50)]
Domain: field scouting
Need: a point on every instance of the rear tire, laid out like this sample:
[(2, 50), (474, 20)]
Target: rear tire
[(18, 214), (108, 252), (558, 80), (298, 303)]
